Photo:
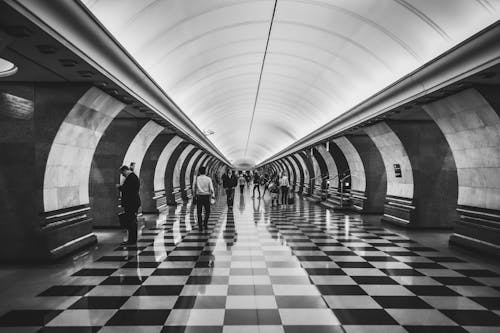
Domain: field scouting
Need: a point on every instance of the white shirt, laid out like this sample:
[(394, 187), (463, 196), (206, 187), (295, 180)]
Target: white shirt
[(203, 185), (284, 181)]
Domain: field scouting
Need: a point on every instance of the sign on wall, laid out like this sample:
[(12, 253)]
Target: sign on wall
[(397, 171)]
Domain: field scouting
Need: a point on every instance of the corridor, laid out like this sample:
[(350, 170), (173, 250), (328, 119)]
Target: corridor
[(300, 268)]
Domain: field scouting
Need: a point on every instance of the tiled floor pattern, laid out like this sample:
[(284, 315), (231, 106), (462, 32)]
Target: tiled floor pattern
[(295, 269)]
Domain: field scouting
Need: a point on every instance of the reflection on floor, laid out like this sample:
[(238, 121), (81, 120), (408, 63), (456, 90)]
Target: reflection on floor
[(259, 269)]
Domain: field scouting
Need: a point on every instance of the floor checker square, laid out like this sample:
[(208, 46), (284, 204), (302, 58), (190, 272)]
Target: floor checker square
[(287, 269)]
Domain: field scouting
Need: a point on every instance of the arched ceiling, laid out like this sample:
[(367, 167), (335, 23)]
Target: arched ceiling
[(262, 74)]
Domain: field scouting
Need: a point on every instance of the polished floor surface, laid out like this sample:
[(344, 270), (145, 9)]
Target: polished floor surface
[(300, 268)]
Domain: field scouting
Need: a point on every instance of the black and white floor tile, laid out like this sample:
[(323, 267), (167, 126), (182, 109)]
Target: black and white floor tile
[(258, 269)]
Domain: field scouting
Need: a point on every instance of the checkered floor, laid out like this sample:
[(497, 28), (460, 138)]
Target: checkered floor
[(260, 269)]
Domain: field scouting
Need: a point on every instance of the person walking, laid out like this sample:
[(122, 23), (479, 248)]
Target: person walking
[(229, 182), (130, 202), (284, 185), (265, 181), (274, 190), (256, 183), (248, 178), (203, 188), (241, 181)]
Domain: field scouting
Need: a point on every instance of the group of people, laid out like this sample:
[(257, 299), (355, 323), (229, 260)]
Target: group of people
[(203, 189), (203, 192), (277, 184)]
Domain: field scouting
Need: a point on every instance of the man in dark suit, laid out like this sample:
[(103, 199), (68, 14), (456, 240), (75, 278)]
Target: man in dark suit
[(229, 182), (130, 201)]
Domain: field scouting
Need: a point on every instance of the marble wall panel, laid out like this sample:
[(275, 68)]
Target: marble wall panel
[(374, 172), (302, 164), (202, 161), (73, 149), (176, 180), (317, 170), (161, 166), (392, 151), (471, 125), (191, 166), (148, 170), (140, 145), (298, 172), (104, 173), (330, 163)]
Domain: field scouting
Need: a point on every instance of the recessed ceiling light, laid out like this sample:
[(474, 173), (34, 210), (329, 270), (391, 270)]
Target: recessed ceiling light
[(7, 68)]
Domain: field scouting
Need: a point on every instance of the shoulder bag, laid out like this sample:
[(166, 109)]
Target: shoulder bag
[(195, 196)]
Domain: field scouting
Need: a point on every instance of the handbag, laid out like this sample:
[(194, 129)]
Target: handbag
[(212, 201), (194, 201), (122, 219)]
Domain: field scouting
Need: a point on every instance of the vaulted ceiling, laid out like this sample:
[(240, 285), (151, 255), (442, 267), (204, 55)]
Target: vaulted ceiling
[(257, 75)]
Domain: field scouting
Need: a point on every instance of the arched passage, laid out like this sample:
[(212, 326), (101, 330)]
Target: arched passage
[(305, 162), (160, 183), (177, 176), (399, 205), (148, 169), (186, 170), (299, 170), (189, 172), (470, 122), (104, 173), (368, 180), (171, 191)]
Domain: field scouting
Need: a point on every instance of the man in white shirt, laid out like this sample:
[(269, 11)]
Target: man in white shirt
[(203, 188), (284, 184)]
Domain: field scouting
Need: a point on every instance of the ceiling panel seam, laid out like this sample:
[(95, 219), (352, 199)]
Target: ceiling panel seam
[(260, 77)]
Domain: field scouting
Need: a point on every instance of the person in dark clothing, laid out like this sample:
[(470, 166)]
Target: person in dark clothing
[(229, 182), (130, 201), (265, 181), (256, 183)]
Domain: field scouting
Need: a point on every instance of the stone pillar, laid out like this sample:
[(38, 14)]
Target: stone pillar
[(160, 182), (169, 173), (434, 172), (341, 162), (299, 174), (49, 136), (189, 171), (177, 187), (148, 196), (421, 175), (185, 183), (302, 163), (470, 122), (332, 181), (399, 206), (104, 173), (139, 146), (368, 179)]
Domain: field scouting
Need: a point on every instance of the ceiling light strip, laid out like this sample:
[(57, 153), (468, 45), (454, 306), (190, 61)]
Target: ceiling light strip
[(260, 78)]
